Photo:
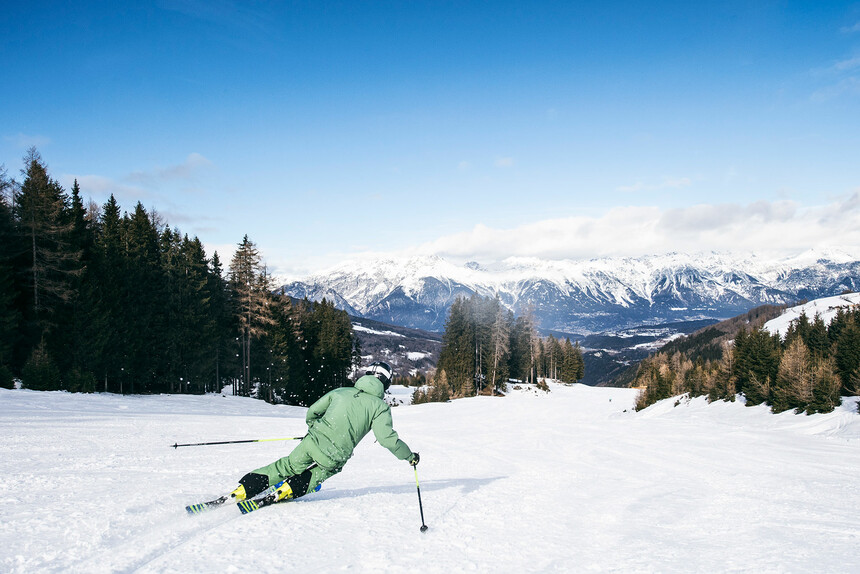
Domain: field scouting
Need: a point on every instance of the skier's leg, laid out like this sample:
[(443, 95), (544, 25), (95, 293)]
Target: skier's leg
[(250, 485), (294, 463), (302, 473), (309, 480), (318, 476)]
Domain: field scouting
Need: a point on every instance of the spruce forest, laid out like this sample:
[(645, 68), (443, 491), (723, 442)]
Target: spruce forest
[(808, 371), (484, 347), (92, 299)]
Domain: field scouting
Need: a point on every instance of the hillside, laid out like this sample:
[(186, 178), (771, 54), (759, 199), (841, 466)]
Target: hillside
[(706, 343), (407, 350), (567, 481)]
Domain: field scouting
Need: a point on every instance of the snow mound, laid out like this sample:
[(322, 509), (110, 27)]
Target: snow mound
[(843, 423)]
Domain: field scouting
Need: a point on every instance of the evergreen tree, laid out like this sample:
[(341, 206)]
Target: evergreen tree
[(456, 357), (222, 324), (441, 388), (816, 339), (825, 387), (500, 339), (251, 296), (40, 373), (554, 357), (143, 295), (568, 367), (794, 381), (74, 337), (190, 326), (578, 362), (722, 383), (9, 315), (42, 213), (523, 348), (847, 353), (756, 364), (289, 371), (106, 330), (332, 349)]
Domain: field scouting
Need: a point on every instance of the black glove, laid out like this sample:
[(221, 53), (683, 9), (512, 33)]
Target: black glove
[(413, 460)]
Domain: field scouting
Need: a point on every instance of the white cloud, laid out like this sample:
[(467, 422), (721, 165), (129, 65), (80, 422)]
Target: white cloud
[(847, 86), (192, 165), (25, 141), (101, 188), (141, 185), (852, 29), (785, 226), (848, 64), (505, 162)]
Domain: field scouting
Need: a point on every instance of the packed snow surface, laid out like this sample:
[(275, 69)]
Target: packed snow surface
[(569, 481)]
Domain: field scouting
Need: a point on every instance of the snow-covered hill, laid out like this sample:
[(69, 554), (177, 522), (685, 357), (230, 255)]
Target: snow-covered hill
[(825, 308), (582, 296), (570, 481)]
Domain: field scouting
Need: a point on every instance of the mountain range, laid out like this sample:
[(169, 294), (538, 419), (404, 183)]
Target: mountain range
[(581, 297)]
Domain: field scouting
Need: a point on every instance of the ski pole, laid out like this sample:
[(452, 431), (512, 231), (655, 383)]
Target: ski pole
[(236, 441), (420, 506)]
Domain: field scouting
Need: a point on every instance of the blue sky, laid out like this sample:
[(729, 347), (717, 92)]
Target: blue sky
[(475, 130)]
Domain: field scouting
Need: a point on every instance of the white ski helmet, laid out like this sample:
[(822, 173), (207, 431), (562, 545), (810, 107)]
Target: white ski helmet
[(381, 371)]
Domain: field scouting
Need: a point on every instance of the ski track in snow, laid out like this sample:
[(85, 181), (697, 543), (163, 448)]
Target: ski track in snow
[(535, 482)]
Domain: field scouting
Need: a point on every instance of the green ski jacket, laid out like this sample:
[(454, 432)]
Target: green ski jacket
[(340, 419)]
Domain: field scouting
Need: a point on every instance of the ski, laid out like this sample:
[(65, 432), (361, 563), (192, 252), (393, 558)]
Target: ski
[(271, 495), (204, 506), (268, 497)]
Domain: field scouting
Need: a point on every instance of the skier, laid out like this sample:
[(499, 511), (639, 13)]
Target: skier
[(336, 424)]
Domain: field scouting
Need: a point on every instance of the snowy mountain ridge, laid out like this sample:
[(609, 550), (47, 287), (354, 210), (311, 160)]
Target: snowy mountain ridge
[(582, 296)]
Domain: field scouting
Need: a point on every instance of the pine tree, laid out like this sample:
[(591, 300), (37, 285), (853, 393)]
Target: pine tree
[(756, 364), (332, 353), (441, 388), (9, 315), (722, 383), (457, 356), (107, 330), (500, 339), (847, 353), (578, 362), (794, 381), (222, 324), (816, 338), (554, 354), (288, 366), (523, 347), (195, 324), (74, 336), (40, 373), (42, 213), (251, 296), (142, 305), (573, 366), (825, 387)]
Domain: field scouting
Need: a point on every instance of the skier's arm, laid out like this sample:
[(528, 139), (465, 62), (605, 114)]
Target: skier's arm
[(317, 410), (385, 434)]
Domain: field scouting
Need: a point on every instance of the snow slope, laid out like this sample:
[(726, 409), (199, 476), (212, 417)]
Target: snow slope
[(825, 308), (570, 481)]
